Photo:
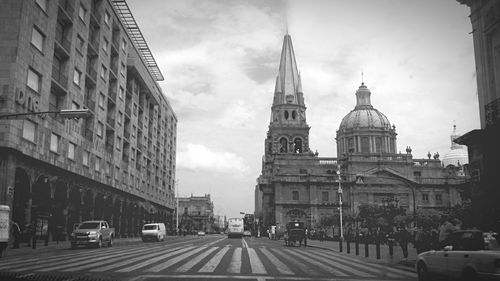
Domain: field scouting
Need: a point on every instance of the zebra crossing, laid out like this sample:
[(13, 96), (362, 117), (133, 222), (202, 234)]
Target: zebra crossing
[(195, 260)]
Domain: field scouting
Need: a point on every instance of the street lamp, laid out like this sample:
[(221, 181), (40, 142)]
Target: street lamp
[(64, 113), (339, 191)]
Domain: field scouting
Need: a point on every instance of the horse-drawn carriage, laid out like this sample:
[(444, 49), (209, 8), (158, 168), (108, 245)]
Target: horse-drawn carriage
[(295, 233)]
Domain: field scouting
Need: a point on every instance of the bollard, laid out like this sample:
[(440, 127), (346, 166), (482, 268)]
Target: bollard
[(377, 248), (348, 246), (340, 244), (356, 245), (366, 247)]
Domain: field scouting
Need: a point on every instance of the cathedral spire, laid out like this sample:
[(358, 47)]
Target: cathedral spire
[(288, 75)]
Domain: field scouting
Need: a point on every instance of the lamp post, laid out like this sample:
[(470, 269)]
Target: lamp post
[(64, 113), (339, 191)]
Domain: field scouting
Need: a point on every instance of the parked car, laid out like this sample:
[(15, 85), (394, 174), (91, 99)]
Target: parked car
[(247, 233), (153, 232), (464, 256), (201, 233), (92, 233)]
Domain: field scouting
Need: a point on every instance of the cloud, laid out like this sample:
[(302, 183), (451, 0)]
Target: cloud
[(198, 157)]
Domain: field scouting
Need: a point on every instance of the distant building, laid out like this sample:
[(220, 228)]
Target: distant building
[(117, 165), (196, 213), (483, 144), (457, 155), (297, 184)]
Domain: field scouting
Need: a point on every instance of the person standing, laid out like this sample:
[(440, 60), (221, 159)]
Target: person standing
[(403, 239), (16, 234), (306, 232)]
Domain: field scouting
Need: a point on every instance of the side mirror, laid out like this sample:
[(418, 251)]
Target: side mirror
[(448, 248)]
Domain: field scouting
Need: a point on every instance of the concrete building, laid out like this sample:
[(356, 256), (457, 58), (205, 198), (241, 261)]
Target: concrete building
[(297, 184), (483, 144), (196, 213), (118, 164)]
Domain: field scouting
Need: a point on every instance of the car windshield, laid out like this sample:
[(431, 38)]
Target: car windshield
[(89, 225), (150, 227)]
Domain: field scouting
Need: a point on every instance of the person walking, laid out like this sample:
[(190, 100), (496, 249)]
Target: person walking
[(403, 239), (306, 232)]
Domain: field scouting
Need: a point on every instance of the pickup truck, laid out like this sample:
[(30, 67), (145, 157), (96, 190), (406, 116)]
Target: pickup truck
[(92, 233)]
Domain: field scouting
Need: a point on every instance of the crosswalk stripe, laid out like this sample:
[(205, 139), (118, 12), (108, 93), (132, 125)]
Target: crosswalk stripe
[(316, 263), (129, 261), (196, 260), (214, 261), (255, 263), (153, 260), (373, 265), (341, 266), (281, 267), (299, 265), (235, 265), (170, 262), (43, 264)]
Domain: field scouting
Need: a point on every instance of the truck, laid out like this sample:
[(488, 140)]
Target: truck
[(235, 227), (92, 233)]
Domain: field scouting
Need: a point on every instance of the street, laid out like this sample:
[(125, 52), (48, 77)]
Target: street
[(212, 257)]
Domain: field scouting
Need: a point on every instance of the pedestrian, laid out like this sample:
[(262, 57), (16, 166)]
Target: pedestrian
[(33, 234), (306, 232), (403, 239), (16, 234)]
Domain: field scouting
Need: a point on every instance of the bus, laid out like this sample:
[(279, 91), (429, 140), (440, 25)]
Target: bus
[(235, 227)]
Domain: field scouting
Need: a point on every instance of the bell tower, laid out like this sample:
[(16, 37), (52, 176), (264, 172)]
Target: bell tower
[(288, 131)]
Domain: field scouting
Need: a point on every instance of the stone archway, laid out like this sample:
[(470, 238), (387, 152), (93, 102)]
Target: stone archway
[(74, 208), (41, 199), (295, 215), (21, 200), (59, 211)]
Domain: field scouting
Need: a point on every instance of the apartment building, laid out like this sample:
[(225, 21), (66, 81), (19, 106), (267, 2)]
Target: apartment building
[(118, 164)]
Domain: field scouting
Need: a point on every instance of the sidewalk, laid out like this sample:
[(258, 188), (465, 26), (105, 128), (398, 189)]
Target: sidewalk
[(396, 260)]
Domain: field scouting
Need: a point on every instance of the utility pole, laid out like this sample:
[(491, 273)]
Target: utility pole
[(339, 191)]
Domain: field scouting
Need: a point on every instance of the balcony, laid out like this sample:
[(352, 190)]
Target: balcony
[(112, 94), (126, 134), (95, 17), (110, 121), (62, 47), (127, 110), (59, 83), (66, 10), (492, 112), (91, 73)]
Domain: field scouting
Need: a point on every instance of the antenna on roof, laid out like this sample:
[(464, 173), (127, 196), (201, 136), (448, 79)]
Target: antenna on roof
[(362, 81)]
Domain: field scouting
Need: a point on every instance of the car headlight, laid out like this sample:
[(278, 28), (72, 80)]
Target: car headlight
[(92, 234)]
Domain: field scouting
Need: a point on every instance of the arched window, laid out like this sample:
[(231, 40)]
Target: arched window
[(286, 115), (297, 145), (283, 145), (294, 114)]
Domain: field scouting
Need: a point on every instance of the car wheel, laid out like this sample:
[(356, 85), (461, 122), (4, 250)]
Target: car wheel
[(110, 243), (423, 274), (469, 274)]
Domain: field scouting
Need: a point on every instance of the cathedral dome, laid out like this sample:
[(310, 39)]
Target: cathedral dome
[(457, 155), (364, 115)]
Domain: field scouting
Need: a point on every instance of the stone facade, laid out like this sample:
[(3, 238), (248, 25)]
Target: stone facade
[(196, 213), (118, 164)]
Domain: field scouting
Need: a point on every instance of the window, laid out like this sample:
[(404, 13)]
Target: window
[(82, 13), (133, 131), (117, 173), (100, 129), (37, 39), (42, 4), (104, 70), (439, 198), (71, 151), (79, 44), (54, 142), (121, 92), (324, 196), (101, 99), (295, 195), (29, 130), (135, 109), (97, 164), (124, 45), (105, 45), (425, 197), (77, 74), (118, 143), (122, 70), (106, 17), (85, 158), (120, 117), (33, 80)]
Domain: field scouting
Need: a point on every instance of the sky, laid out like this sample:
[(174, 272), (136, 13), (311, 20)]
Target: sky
[(220, 60)]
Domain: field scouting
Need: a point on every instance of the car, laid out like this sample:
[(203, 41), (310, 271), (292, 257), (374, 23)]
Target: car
[(153, 232), (201, 233), (463, 256), (247, 233)]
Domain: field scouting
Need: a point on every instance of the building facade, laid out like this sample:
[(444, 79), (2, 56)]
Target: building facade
[(196, 213), (297, 184), (118, 164), (482, 144)]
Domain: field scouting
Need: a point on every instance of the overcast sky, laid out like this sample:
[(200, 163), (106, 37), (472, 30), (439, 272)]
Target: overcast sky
[(220, 59)]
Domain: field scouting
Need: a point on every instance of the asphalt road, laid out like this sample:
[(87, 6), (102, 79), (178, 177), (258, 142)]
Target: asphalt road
[(212, 257)]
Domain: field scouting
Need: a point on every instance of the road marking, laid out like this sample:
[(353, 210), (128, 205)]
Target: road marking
[(175, 260), (214, 261), (335, 265), (246, 277), (235, 265), (281, 267), (255, 263), (153, 260), (304, 268), (196, 260)]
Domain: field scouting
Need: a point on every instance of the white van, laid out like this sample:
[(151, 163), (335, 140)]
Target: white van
[(153, 231)]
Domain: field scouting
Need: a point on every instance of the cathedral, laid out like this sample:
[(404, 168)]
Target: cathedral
[(298, 184)]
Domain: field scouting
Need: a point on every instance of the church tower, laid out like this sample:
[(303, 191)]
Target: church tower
[(288, 131)]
